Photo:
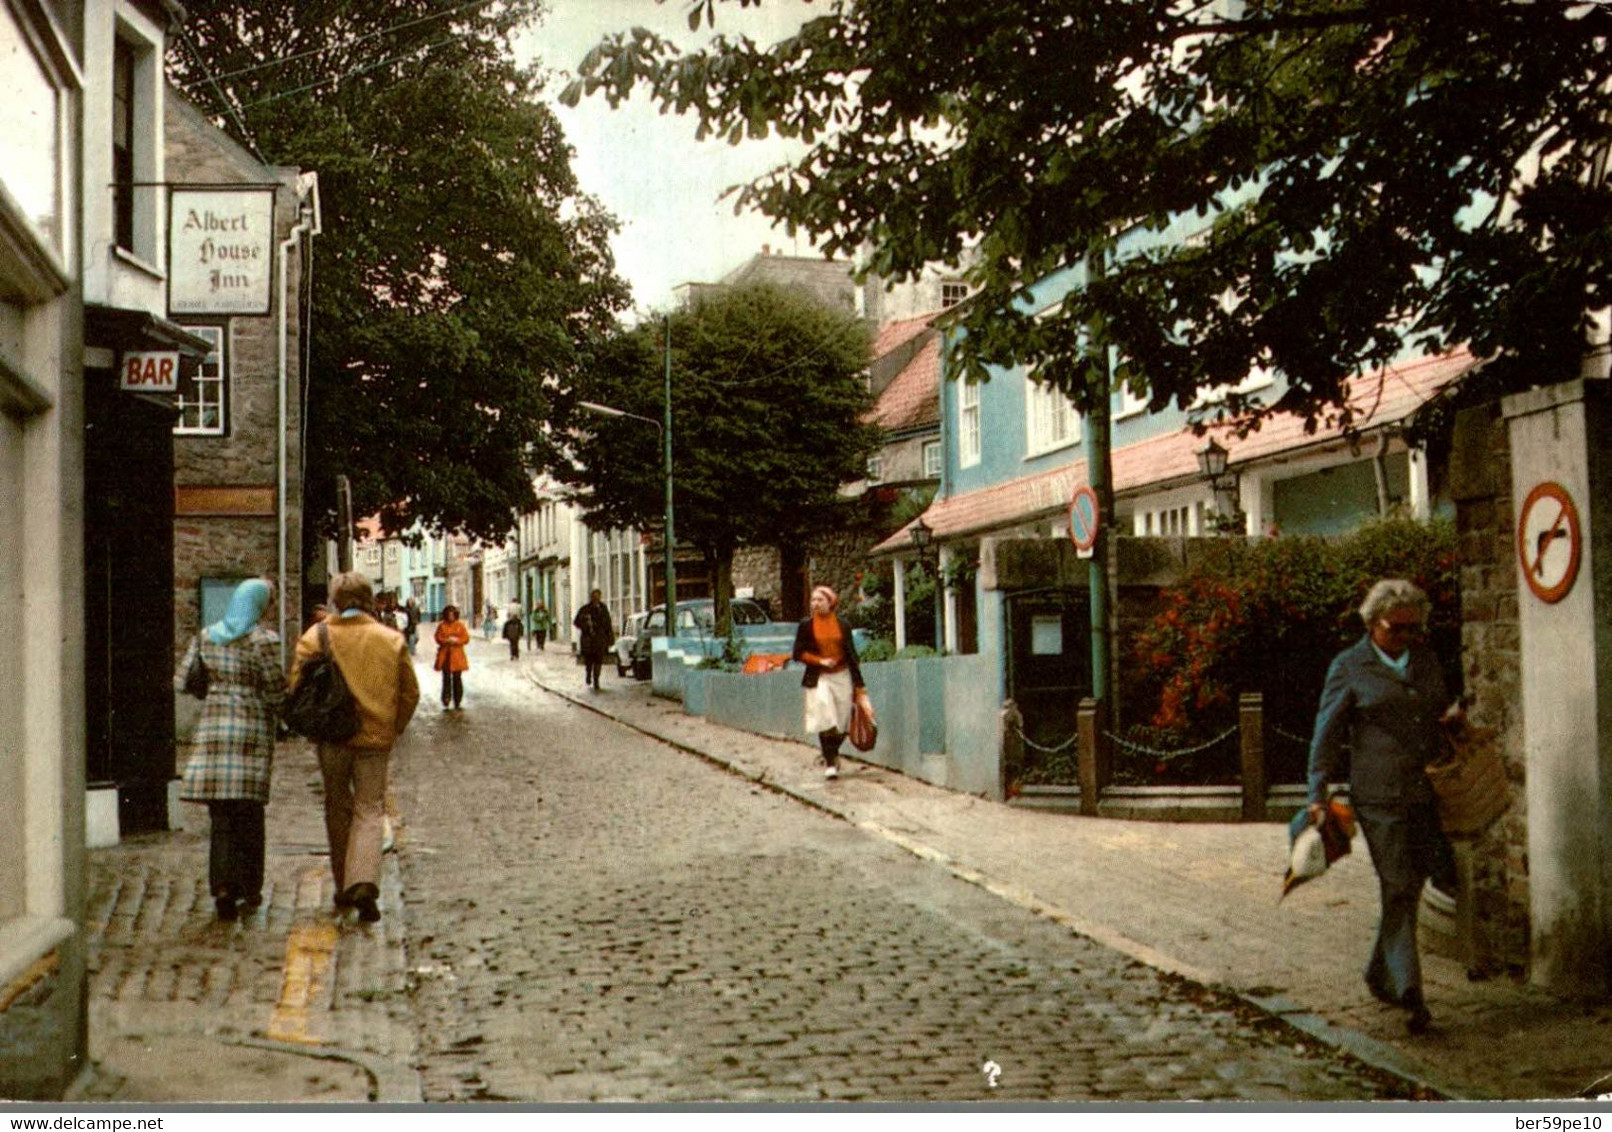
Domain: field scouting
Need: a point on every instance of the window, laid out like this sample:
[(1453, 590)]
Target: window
[(373, 555), (1130, 403), (968, 424), (1050, 419), (876, 467), (123, 135), (952, 292), (201, 395), (931, 459)]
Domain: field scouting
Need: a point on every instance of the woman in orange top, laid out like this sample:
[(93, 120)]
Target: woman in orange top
[(833, 676), (452, 637)]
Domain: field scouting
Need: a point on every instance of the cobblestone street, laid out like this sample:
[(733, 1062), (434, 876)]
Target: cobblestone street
[(591, 915)]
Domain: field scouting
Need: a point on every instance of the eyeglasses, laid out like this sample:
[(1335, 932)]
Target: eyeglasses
[(1400, 626)]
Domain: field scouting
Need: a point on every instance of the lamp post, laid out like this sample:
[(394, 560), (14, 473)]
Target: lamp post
[(923, 537), (1213, 462), (666, 435)]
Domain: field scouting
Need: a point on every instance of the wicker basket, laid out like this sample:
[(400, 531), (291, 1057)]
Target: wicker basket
[(1471, 785)]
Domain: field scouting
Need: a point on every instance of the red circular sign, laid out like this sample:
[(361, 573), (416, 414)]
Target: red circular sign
[(1550, 541), (1083, 521)]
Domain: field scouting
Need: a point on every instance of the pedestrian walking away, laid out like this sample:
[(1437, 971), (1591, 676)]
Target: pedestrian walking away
[(1384, 703), (833, 677), (597, 636), (411, 632), (489, 622), (452, 636), (513, 632), (540, 619), (374, 662), (232, 748)]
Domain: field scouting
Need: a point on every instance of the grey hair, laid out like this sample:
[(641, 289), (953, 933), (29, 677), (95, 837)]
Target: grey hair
[(1390, 594)]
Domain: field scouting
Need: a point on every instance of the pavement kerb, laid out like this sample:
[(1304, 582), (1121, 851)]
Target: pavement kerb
[(1361, 1047), (390, 1082)]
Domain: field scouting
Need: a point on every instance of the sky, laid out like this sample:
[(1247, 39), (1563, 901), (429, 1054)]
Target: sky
[(646, 168)]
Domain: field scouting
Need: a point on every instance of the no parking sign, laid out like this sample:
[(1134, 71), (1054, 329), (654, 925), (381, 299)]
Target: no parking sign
[(1083, 520)]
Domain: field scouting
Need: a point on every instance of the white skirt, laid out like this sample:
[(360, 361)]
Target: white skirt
[(828, 706)]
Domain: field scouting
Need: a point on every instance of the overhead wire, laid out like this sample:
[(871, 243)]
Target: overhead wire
[(354, 72), (230, 104), (284, 59)]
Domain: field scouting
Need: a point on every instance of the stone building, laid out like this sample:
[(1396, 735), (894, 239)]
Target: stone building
[(237, 440)]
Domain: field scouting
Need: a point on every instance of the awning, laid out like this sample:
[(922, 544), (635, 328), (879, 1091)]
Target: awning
[(120, 328)]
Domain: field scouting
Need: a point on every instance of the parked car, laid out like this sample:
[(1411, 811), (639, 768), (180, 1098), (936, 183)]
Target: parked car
[(695, 618), (626, 642)]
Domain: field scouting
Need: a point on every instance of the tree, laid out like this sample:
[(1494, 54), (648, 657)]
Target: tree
[(768, 394), (1378, 172), (459, 263)]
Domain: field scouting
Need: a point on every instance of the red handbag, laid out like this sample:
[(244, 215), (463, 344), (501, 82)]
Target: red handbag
[(864, 731)]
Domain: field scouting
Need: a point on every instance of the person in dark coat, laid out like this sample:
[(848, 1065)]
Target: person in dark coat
[(597, 636), (513, 632), (1383, 708), (833, 679), (232, 748)]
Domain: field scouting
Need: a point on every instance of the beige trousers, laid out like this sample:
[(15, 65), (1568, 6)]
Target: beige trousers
[(355, 811)]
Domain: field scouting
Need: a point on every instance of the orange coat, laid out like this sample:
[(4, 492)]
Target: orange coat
[(452, 637)]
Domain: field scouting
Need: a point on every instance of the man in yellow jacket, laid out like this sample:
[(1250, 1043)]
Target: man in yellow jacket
[(375, 663)]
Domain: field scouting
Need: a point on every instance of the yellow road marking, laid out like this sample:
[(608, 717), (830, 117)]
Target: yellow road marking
[(310, 952)]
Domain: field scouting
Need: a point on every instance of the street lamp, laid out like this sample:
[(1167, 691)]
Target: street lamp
[(923, 537), (1213, 465), (666, 438)]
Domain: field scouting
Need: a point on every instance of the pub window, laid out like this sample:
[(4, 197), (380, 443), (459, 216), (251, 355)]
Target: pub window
[(201, 392)]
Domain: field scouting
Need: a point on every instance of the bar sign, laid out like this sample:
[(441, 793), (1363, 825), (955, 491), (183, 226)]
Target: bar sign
[(150, 371)]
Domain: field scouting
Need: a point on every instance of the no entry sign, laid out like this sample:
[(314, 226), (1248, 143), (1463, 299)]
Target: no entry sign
[(1083, 519)]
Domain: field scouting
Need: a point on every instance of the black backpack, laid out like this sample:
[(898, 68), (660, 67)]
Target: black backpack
[(322, 708)]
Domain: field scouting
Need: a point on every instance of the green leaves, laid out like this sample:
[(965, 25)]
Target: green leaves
[(1365, 141), (767, 398), (458, 265)]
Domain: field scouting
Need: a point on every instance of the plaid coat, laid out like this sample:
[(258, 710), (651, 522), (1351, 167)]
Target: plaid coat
[(232, 748)]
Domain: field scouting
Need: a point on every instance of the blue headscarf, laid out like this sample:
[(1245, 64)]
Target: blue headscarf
[(246, 606)]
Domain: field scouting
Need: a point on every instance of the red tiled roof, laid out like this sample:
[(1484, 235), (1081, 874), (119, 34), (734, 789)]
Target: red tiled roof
[(912, 399), (894, 334), (1379, 398)]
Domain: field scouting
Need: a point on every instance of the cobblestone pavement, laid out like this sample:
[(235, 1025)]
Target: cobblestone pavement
[(595, 916), (290, 1004)]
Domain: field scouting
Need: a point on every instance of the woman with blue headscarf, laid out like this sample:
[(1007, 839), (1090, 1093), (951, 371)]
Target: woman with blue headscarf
[(232, 748)]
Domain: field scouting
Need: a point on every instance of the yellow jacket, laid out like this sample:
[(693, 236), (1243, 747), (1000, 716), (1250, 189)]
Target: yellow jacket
[(375, 662)]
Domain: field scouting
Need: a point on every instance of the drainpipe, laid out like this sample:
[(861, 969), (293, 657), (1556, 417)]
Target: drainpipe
[(307, 225)]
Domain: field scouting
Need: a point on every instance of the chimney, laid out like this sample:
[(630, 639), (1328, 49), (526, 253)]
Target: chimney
[(766, 249)]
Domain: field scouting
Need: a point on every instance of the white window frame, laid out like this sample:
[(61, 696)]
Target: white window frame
[(968, 424), (952, 292), (211, 372), (932, 459), (1050, 419), (876, 467), (1130, 404)]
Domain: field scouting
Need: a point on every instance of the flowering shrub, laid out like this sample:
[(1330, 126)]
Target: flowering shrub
[(1268, 616)]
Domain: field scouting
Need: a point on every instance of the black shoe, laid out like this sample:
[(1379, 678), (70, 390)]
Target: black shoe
[(226, 908), (343, 901), (1420, 1017), (363, 897), (251, 904)]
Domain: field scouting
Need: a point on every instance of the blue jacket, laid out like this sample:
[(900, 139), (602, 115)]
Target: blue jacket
[(1385, 724)]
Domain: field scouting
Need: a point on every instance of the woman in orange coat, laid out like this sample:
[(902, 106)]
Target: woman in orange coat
[(452, 637)]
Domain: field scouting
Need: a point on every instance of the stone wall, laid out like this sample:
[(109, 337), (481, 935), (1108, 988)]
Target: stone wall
[(1480, 485), (235, 532)]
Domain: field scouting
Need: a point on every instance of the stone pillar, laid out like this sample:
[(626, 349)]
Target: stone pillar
[(1557, 437)]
